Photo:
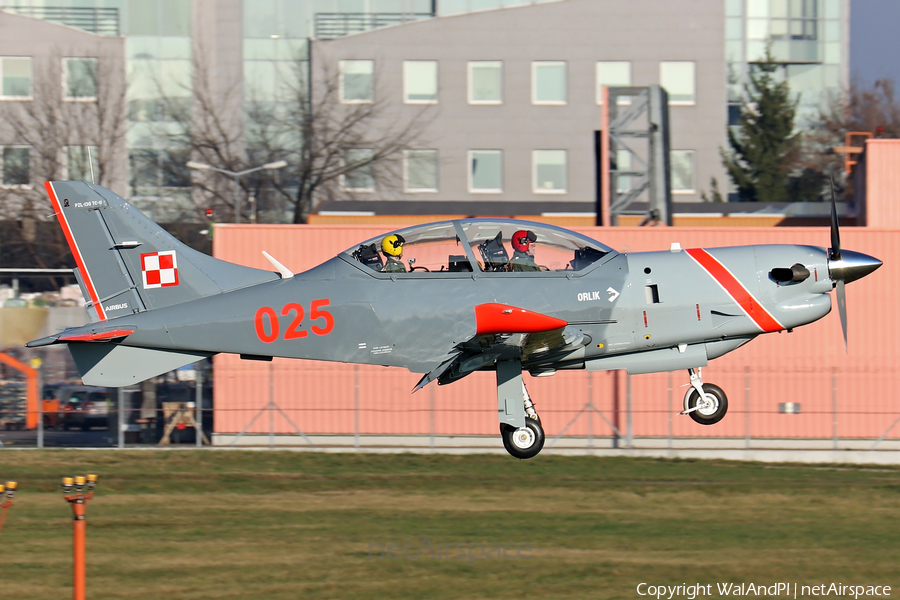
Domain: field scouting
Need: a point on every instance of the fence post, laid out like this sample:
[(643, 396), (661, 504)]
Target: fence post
[(356, 406), (834, 412), (40, 407), (669, 405), (746, 408), (120, 421), (590, 398), (629, 439), (272, 405), (198, 405), (431, 412), (616, 428)]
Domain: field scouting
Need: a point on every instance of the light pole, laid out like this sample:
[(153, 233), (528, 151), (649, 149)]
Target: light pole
[(78, 501), (237, 176), (9, 490)]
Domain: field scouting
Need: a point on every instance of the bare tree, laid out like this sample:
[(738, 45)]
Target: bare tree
[(874, 110), (61, 132), (322, 140)]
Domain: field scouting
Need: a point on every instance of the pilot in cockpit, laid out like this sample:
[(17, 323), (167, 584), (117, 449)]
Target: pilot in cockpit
[(523, 258), (392, 246)]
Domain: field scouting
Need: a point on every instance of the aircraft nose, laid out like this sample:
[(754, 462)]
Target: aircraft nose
[(852, 266)]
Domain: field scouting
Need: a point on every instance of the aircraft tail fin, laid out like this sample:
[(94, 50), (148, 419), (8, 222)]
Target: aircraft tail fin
[(129, 264)]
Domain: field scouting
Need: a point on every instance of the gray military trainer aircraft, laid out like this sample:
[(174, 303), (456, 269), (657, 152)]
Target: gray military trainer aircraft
[(443, 299)]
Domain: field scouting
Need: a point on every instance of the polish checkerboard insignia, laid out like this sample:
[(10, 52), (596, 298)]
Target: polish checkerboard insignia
[(159, 269)]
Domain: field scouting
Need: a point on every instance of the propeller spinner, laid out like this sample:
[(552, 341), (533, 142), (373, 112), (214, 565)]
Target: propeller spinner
[(845, 266)]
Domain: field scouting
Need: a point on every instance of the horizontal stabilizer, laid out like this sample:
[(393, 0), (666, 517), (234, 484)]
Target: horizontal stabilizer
[(114, 365)]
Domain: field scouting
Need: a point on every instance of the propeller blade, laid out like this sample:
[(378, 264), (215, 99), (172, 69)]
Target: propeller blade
[(842, 309), (835, 231)]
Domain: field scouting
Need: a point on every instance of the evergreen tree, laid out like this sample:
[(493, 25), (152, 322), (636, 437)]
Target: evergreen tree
[(765, 147)]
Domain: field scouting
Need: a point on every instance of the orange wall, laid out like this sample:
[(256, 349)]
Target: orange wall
[(796, 367), (883, 183)]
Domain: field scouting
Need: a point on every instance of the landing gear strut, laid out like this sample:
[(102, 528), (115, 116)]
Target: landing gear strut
[(706, 403), (520, 425)]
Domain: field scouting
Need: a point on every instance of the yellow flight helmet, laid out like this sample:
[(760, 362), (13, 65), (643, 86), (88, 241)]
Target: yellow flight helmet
[(392, 245)]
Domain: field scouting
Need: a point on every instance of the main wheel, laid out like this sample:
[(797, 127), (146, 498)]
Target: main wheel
[(523, 442), (713, 407)]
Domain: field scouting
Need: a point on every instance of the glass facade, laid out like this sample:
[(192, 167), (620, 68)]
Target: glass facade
[(807, 38)]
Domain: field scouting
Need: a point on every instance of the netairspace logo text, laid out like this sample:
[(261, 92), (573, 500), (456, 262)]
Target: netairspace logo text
[(785, 590)]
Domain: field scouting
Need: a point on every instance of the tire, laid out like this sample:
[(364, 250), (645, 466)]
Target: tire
[(714, 414), (525, 442)]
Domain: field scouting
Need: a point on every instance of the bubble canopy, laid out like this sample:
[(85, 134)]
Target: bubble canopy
[(480, 245)]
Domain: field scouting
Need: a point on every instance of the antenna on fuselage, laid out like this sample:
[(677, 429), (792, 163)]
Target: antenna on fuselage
[(91, 163)]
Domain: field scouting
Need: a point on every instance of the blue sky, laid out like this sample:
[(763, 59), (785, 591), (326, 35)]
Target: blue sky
[(874, 40)]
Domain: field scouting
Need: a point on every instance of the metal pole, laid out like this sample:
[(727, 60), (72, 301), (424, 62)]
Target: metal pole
[(237, 200), (669, 411), (271, 405), (590, 403), (198, 406), (746, 408), (616, 428), (431, 411), (121, 420), (834, 412), (40, 409), (628, 431), (79, 527), (356, 406)]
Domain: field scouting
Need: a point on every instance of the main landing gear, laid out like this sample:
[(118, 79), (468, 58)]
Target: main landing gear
[(706, 403), (520, 425)]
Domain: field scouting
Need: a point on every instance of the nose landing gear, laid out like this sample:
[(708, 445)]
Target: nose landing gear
[(706, 403)]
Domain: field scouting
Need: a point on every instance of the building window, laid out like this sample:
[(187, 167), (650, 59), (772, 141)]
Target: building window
[(420, 81), (485, 171), (549, 171), (486, 82), (16, 166), (548, 82), (420, 170), (16, 75), (151, 169), (80, 78), (682, 166), (359, 177), (678, 79), (613, 74), (81, 163), (356, 81)]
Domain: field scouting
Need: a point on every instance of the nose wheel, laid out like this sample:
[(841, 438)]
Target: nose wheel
[(706, 403)]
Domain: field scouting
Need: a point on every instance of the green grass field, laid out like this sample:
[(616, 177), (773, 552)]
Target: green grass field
[(278, 525)]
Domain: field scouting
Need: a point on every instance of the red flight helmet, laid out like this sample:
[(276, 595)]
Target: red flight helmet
[(522, 239)]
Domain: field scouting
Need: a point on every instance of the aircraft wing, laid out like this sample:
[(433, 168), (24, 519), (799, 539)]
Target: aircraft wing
[(506, 332)]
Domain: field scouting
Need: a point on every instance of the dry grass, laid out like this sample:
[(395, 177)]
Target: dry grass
[(229, 525)]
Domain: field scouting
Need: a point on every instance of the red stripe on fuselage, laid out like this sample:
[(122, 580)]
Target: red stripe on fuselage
[(73, 246), (732, 285)]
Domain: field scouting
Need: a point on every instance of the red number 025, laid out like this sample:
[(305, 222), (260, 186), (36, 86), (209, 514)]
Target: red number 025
[(269, 332)]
